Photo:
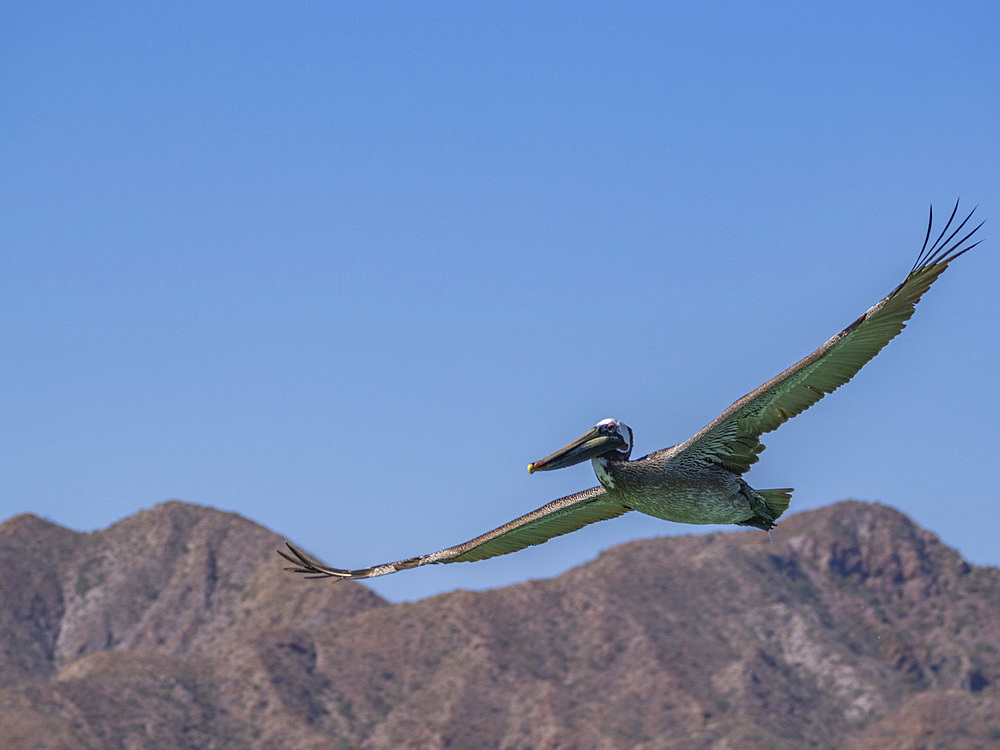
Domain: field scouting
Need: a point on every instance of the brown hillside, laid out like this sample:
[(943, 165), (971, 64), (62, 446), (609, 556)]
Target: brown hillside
[(176, 627)]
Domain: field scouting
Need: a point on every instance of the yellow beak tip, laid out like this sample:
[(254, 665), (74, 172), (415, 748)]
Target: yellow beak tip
[(531, 468)]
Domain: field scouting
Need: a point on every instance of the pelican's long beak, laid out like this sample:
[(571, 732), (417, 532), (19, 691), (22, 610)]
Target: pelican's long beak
[(590, 445)]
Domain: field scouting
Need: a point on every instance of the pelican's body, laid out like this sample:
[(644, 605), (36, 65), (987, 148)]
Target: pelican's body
[(700, 480), (667, 489), (666, 485)]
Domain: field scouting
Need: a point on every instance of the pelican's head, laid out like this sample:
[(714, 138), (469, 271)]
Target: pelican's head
[(609, 436)]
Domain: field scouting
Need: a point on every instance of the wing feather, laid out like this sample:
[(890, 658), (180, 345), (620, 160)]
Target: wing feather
[(554, 519), (731, 440)]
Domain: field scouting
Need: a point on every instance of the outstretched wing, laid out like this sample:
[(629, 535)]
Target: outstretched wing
[(732, 441), (558, 517)]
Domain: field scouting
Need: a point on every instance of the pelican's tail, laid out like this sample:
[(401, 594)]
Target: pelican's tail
[(776, 500)]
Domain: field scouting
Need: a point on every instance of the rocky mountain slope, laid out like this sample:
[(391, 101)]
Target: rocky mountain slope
[(177, 628)]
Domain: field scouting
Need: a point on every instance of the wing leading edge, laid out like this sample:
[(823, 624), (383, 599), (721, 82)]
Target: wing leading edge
[(554, 519), (731, 440)]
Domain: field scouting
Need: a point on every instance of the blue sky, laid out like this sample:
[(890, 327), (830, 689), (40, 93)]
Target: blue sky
[(345, 269)]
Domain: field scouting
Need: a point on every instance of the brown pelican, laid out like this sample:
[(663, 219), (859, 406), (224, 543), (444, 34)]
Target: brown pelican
[(698, 481)]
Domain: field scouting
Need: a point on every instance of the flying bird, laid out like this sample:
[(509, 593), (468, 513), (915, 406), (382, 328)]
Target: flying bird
[(699, 481)]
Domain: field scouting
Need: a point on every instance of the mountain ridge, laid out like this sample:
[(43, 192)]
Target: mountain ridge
[(177, 626)]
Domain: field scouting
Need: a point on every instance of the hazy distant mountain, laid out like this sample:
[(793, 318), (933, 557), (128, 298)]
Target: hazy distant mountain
[(177, 628)]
